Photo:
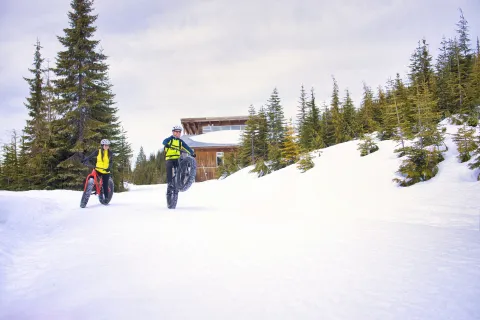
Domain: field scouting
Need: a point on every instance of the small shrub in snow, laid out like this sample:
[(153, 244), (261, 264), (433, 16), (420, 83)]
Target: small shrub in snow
[(367, 146), (261, 168), (465, 141), (420, 165), (305, 162), (230, 165)]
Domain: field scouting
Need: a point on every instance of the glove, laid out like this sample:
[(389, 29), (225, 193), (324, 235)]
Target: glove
[(194, 155)]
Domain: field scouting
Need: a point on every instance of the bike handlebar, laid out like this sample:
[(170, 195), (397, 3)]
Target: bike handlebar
[(181, 150)]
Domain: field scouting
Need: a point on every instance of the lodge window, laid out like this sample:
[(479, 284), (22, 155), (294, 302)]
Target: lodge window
[(219, 158)]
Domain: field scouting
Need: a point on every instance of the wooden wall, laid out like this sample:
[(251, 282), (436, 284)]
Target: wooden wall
[(207, 162)]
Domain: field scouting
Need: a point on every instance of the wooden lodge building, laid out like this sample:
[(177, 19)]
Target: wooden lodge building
[(209, 149)]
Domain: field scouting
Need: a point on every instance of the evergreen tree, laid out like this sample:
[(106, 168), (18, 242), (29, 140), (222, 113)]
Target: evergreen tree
[(123, 155), (337, 117), (262, 135), (367, 145), (305, 163), (290, 149), (474, 84), (466, 144), (422, 158), (276, 126), (139, 172), (406, 109), (327, 130), (421, 69), (366, 112), (35, 141), (231, 164), (249, 138), (312, 131), (350, 126), (302, 119), (10, 163), (379, 109), (85, 101), (445, 79), (394, 123)]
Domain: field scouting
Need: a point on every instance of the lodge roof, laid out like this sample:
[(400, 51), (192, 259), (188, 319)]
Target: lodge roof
[(197, 144), (214, 119)]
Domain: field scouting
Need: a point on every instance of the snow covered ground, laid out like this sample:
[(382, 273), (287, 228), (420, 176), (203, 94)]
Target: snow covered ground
[(340, 241)]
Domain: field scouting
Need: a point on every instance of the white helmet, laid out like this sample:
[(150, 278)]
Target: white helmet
[(105, 141), (177, 128)]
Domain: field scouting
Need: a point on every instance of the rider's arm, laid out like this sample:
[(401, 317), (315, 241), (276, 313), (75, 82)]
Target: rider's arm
[(167, 140), (186, 147), (94, 153), (110, 161)]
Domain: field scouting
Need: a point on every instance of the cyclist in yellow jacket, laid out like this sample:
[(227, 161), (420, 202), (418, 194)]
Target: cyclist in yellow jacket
[(103, 163), (173, 145)]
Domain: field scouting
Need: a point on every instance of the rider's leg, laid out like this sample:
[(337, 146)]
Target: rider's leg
[(170, 164), (105, 178)]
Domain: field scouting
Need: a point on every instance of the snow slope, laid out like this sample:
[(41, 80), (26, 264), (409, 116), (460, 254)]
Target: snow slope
[(284, 246)]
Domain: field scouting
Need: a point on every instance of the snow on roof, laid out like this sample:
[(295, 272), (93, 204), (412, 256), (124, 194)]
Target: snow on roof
[(215, 138)]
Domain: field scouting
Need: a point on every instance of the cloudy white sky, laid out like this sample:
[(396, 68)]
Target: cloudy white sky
[(192, 58)]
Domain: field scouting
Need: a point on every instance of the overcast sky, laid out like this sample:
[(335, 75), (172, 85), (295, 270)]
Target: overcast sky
[(193, 58)]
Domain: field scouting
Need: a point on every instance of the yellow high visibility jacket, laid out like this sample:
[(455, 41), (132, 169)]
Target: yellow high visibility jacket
[(173, 146), (103, 163)]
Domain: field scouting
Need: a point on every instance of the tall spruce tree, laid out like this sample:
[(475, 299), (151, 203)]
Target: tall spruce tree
[(312, 134), (123, 154), (350, 126), (302, 118), (11, 168), (337, 117), (249, 138), (379, 107), (35, 140), (277, 130), (290, 148), (85, 100), (366, 112), (421, 69)]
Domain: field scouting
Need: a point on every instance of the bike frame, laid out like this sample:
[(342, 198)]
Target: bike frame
[(96, 181)]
